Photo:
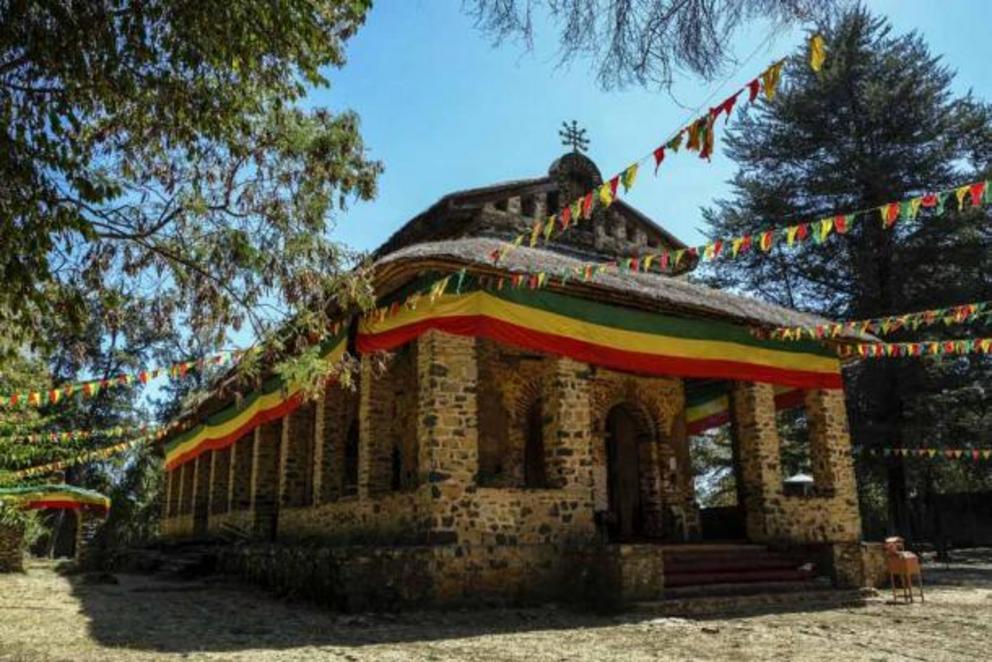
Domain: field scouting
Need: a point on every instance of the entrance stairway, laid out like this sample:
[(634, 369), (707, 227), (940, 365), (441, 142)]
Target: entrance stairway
[(737, 569)]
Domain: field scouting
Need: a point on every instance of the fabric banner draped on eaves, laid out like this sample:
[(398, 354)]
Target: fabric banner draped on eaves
[(610, 336), (64, 497), (272, 401)]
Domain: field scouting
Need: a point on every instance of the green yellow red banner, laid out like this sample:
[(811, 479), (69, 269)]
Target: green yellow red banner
[(65, 497), (275, 399), (609, 336)]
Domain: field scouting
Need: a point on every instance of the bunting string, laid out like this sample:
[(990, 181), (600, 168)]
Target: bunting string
[(959, 347), (92, 388), (948, 316), (973, 454), (82, 458), (698, 136), (65, 436)]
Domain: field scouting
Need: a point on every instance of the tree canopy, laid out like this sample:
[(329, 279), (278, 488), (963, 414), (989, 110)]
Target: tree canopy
[(154, 162), (878, 124), (643, 42)]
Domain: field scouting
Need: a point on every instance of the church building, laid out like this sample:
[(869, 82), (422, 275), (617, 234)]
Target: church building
[(529, 437)]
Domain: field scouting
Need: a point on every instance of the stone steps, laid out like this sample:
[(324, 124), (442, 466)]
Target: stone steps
[(733, 566)]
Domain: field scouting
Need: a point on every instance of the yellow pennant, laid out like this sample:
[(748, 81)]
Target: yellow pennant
[(826, 225), (770, 79), (629, 175), (960, 192), (605, 194), (817, 52)]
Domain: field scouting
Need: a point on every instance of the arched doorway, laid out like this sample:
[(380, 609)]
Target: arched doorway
[(623, 471)]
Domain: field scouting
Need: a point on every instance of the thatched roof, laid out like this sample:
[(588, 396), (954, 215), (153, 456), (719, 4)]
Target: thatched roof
[(650, 291)]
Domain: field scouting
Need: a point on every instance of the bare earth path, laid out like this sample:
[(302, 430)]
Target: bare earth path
[(45, 616)]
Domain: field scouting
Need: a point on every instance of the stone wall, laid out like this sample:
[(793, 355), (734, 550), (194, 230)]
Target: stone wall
[(11, 550), (830, 513), (360, 577)]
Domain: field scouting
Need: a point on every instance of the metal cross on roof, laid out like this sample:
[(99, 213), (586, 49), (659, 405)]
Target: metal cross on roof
[(572, 135)]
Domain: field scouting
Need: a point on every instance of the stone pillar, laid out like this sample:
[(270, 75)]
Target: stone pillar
[(375, 446), (447, 427), (240, 472), (220, 477), (89, 533), (296, 458), (167, 497), (265, 479), (833, 466), (758, 446), (11, 554), (569, 428)]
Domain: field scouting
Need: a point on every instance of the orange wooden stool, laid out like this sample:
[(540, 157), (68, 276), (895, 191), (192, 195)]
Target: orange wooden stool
[(904, 565)]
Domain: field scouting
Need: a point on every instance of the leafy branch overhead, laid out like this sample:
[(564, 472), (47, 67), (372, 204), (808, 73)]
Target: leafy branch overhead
[(643, 42), (155, 158)]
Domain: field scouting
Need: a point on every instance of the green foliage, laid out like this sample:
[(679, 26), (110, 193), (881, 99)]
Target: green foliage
[(878, 124), (156, 165)]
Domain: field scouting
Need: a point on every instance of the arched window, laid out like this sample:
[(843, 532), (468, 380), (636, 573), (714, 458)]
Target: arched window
[(535, 474), (350, 486)]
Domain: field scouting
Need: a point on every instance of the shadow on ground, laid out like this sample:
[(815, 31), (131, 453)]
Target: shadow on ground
[(220, 615)]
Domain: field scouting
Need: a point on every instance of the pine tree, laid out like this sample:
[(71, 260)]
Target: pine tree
[(877, 124)]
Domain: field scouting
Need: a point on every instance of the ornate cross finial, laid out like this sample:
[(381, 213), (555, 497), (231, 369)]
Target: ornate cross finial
[(572, 135)]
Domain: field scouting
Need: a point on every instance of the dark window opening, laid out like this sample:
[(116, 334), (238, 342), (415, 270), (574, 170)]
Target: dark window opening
[(528, 206), (350, 486), (535, 474), (396, 468), (553, 203)]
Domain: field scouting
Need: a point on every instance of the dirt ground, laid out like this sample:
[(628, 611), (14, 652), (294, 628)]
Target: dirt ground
[(47, 616)]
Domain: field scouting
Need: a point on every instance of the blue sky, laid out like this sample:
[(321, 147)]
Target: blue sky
[(445, 110)]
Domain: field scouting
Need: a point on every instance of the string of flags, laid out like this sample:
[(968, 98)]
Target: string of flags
[(698, 136), (973, 454), (958, 347), (92, 388), (82, 458), (64, 436), (948, 316)]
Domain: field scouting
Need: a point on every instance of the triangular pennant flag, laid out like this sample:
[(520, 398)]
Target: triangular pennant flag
[(959, 193), (823, 228), (675, 143), (890, 214), (565, 217), (587, 204), (752, 90), (614, 183), (977, 191), (629, 175), (659, 156), (605, 195), (767, 240), (770, 80), (549, 228), (817, 52), (535, 231)]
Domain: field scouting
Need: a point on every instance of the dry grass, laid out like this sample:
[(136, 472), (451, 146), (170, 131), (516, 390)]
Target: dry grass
[(45, 616)]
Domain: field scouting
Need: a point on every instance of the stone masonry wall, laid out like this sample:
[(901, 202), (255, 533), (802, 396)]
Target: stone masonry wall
[(11, 553)]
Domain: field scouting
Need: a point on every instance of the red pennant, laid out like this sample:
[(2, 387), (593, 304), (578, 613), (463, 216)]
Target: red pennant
[(726, 107), (929, 200), (802, 232), (977, 191), (613, 186), (587, 205), (753, 88), (659, 156), (890, 214), (840, 224), (565, 217)]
